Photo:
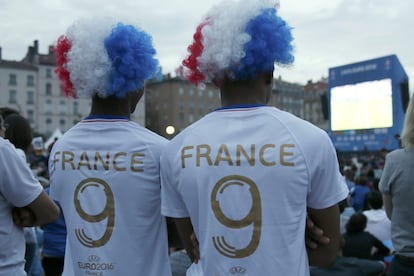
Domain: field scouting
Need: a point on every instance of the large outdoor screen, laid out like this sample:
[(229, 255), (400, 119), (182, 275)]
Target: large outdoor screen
[(364, 105)]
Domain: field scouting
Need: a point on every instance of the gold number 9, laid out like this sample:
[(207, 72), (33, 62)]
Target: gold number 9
[(107, 213), (254, 217)]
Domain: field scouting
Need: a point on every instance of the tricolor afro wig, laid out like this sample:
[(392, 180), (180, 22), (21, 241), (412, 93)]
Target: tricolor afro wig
[(104, 57), (238, 40)]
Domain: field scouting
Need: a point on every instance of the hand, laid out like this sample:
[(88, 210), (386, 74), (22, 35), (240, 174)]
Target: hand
[(196, 249), (314, 235), (23, 216)]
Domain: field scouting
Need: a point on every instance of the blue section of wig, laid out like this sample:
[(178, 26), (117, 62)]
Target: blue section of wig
[(132, 56), (271, 42)]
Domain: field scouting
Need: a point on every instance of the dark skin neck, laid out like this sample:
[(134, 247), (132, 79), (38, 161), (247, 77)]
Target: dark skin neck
[(114, 106), (247, 92)]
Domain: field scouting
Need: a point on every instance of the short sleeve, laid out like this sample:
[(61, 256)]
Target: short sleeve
[(17, 185), (327, 186)]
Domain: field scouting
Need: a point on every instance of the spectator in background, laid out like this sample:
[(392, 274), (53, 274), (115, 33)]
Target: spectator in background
[(23, 203), (397, 187), (349, 175), (54, 244), (19, 133), (358, 243), (378, 224), (359, 193), (346, 212)]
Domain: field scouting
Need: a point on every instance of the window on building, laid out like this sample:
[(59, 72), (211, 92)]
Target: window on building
[(75, 108), (191, 92), (48, 125), (12, 79), (75, 122), (62, 124), (13, 96), (200, 92), (48, 106), (62, 107), (48, 89), (210, 93), (48, 73), (181, 116), (30, 80), (180, 91), (190, 105), (30, 116), (190, 118), (30, 97)]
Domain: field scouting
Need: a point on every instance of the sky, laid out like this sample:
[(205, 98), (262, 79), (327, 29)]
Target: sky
[(327, 33)]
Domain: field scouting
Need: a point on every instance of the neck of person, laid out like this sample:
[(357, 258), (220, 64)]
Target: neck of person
[(246, 92), (110, 106)]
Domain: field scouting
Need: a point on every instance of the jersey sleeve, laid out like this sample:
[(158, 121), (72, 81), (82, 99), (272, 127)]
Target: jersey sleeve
[(172, 204), (17, 185), (327, 186)]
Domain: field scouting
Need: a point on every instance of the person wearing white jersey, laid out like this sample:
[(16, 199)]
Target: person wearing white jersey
[(245, 176), (104, 171), (23, 203)]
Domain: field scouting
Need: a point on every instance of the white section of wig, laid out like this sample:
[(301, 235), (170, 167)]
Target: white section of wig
[(88, 61), (224, 38)]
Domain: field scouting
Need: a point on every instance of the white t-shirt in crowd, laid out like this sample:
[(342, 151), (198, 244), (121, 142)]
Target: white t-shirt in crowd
[(104, 172), (378, 224), (245, 176), (18, 188)]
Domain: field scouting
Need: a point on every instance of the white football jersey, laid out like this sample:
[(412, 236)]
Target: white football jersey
[(18, 187), (245, 176), (104, 172)]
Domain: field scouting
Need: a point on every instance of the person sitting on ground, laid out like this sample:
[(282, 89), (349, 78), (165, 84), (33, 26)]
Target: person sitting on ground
[(358, 194), (378, 224), (359, 243)]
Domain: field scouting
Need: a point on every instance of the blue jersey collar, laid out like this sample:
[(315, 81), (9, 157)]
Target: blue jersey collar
[(238, 106)]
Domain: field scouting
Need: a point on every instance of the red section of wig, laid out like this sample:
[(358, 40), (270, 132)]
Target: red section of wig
[(61, 50), (195, 50)]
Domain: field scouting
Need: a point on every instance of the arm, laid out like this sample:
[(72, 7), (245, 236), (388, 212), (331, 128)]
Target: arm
[(314, 235), (185, 231), (40, 211), (328, 220), (387, 204), (382, 249)]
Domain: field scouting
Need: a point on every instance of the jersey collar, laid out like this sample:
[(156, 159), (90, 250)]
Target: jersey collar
[(239, 106), (106, 117)]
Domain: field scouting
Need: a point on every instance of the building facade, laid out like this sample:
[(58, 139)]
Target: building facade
[(31, 87), (315, 102), (287, 96), (172, 104), (304, 101)]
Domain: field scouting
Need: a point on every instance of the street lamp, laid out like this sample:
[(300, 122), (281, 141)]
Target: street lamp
[(170, 130)]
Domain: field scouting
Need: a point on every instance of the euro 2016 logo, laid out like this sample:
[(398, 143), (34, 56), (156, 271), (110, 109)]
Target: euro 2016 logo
[(94, 185), (253, 217)]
